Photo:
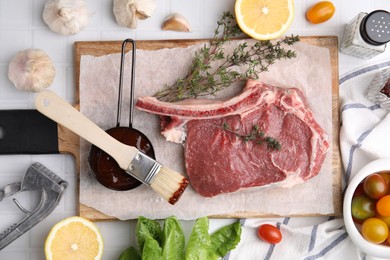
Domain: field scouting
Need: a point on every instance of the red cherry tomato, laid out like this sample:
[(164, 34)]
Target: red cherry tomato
[(386, 176), (359, 190), (269, 233), (375, 186)]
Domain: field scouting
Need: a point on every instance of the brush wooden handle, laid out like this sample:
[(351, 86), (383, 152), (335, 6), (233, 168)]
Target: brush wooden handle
[(60, 111)]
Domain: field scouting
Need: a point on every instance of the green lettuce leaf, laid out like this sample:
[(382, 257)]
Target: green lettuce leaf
[(130, 254), (156, 243), (199, 243), (169, 243), (203, 246), (173, 240), (147, 229), (152, 250), (226, 238)]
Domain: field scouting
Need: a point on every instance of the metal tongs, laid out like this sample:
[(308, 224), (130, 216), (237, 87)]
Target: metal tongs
[(36, 178)]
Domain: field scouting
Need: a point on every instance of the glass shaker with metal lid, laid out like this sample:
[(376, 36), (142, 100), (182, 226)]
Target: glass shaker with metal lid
[(367, 34)]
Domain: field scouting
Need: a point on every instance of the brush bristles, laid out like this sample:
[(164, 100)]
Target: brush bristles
[(169, 184)]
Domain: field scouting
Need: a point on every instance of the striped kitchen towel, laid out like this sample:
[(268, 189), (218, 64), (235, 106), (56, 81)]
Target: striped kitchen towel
[(364, 134), (303, 238), (364, 137)]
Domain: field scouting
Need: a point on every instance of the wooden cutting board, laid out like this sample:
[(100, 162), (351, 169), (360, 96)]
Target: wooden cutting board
[(330, 42)]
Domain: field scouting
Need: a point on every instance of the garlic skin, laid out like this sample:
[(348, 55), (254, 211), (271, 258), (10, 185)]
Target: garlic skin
[(65, 17), (128, 11), (31, 70), (176, 22)]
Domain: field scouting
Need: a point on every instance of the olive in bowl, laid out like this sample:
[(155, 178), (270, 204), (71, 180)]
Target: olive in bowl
[(368, 229)]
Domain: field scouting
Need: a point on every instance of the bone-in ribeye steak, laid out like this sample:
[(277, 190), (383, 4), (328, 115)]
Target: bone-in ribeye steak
[(217, 161)]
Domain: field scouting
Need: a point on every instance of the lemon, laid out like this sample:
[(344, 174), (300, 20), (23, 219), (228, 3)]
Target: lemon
[(74, 238), (264, 19)]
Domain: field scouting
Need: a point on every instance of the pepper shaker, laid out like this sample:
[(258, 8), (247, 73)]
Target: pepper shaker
[(367, 34)]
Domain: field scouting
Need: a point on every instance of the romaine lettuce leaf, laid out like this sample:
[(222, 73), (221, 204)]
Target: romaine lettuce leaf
[(199, 243), (130, 254), (169, 243), (173, 240), (152, 250), (203, 246), (226, 238), (146, 229)]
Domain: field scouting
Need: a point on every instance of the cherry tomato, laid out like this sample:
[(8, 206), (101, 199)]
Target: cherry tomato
[(386, 176), (383, 206), (363, 207), (384, 219), (359, 190), (375, 230), (320, 12), (357, 221), (269, 233), (375, 186)]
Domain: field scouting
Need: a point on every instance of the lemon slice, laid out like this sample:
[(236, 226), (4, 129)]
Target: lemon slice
[(74, 238), (264, 19)]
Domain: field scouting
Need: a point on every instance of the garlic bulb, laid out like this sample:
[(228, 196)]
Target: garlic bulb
[(176, 22), (65, 17), (31, 70), (128, 11)]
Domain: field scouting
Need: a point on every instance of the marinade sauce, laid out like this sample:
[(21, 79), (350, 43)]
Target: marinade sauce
[(107, 171), (103, 166)]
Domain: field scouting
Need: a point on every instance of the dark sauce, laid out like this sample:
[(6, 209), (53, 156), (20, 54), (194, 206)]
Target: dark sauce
[(106, 169), (176, 196)]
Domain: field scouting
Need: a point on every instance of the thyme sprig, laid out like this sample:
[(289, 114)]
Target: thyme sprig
[(255, 135), (205, 79)]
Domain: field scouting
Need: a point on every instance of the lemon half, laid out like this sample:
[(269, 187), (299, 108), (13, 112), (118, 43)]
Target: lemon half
[(264, 19), (74, 238)]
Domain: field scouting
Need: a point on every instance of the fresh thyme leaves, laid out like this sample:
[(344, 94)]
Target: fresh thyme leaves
[(204, 79), (255, 135)]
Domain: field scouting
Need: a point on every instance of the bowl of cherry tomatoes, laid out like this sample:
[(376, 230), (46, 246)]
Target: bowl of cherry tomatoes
[(366, 208)]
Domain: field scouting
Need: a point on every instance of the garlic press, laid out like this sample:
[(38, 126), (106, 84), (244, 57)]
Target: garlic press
[(36, 178)]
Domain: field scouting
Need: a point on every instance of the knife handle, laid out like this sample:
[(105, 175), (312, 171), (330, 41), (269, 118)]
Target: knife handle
[(26, 131), (60, 111)]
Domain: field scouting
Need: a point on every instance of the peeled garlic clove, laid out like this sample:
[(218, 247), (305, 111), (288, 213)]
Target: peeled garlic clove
[(65, 17), (31, 70), (128, 11), (176, 22)]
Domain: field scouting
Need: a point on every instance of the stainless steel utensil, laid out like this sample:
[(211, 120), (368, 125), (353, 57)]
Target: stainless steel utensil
[(36, 178)]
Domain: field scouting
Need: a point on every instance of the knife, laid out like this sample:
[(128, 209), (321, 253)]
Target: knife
[(29, 132)]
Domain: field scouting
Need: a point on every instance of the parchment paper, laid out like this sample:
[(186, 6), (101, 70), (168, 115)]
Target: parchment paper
[(99, 76)]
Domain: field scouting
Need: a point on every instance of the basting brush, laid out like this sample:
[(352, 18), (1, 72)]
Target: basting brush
[(168, 183)]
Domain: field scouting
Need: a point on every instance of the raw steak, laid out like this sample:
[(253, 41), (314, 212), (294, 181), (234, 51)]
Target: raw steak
[(218, 161)]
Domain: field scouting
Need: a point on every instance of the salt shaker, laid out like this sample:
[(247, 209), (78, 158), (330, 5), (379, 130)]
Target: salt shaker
[(367, 34)]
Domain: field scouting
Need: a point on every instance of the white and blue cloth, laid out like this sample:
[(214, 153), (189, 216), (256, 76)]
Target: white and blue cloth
[(364, 137)]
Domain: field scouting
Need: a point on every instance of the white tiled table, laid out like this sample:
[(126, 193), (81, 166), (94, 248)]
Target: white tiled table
[(22, 27)]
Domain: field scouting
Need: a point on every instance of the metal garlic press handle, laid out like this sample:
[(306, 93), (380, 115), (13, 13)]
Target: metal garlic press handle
[(10, 190), (52, 187)]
